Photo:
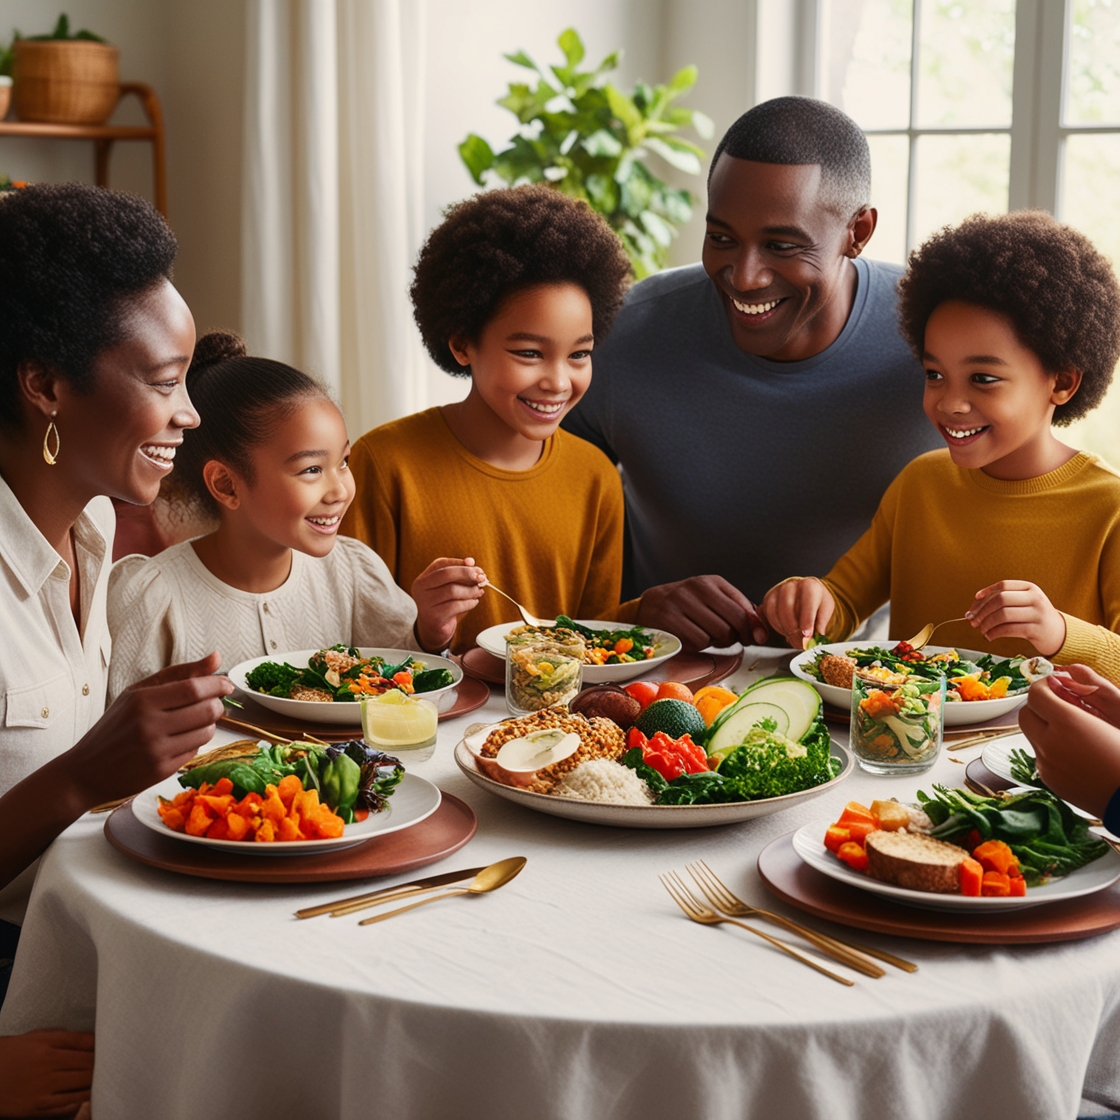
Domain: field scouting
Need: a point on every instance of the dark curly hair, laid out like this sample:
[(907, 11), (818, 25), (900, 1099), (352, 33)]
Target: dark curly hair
[(1058, 292), (239, 400), (791, 130), (71, 259), (502, 241)]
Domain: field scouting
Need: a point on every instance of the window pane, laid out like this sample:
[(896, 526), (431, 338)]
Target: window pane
[(1093, 75), (889, 156), (1090, 172), (966, 56), (957, 176), (865, 60)]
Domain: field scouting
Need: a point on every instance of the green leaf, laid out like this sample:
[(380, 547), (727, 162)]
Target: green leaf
[(703, 124), (602, 144), (683, 79), (602, 191), (626, 111), (572, 46), (609, 63), (520, 58), (675, 153), (657, 228), (477, 155)]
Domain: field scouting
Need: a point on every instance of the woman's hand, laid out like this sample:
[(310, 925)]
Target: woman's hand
[(799, 608), (45, 1073), (1014, 608), (1078, 751), (444, 591), (150, 730)]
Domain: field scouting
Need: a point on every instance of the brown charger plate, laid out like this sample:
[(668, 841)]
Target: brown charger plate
[(433, 839), (792, 880), (692, 669), (469, 695)]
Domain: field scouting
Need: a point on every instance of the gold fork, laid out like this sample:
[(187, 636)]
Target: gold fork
[(698, 912), (722, 899)]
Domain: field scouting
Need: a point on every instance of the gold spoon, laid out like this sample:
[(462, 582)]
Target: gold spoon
[(530, 619), (488, 879), (923, 636)]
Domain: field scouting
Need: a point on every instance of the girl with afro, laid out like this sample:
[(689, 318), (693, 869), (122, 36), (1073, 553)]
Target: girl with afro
[(1017, 322), (513, 290)]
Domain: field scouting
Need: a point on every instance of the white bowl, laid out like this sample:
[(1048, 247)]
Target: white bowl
[(493, 640), (957, 713), (341, 712)]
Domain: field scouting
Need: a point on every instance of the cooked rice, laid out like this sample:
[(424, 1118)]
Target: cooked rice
[(603, 779)]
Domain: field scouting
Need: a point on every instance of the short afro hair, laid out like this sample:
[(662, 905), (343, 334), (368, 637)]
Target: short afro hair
[(796, 130), (1056, 290), (503, 241), (71, 257)]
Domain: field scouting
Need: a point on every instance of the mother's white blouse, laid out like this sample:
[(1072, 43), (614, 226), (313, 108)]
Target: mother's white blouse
[(52, 677)]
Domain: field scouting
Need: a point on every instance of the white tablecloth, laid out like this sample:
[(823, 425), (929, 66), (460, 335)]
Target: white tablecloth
[(578, 991)]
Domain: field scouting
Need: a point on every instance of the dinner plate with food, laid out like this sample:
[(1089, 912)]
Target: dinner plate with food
[(327, 685), (286, 799), (613, 651), (954, 850), (668, 764), (979, 686)]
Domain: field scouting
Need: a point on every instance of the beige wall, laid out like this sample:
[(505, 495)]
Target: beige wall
[(191, 54)]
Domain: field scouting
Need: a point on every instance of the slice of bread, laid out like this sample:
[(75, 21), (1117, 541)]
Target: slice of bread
[(914, 861)]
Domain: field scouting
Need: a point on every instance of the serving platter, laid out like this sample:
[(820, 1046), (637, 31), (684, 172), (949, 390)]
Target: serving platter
[(808, 843), (342, 712), (957, 713), (642, 816), (792, 880), (493, 640), (412, 801), (446, 831)]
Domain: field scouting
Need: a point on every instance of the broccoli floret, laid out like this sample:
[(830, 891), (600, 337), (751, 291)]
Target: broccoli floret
[(274, 678), (767, 764)]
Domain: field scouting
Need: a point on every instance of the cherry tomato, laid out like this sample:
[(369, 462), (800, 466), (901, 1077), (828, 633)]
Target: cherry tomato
[(645, 692)]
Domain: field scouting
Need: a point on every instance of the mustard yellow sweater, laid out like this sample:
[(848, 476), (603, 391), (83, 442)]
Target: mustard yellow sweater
[(941, 533), (550, 536)]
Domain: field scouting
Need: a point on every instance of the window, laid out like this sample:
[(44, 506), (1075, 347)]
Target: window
[(983, 105)]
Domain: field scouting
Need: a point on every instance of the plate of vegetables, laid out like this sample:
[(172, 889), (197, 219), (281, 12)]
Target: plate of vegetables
[(615, 651), (971, 853), (287, 799), (979, 686), (326, 685), (766, 751)]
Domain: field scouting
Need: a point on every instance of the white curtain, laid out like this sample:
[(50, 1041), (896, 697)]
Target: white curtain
[(333, 196)]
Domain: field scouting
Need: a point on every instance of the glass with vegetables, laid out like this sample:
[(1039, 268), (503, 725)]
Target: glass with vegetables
[(897, 730), (542, 672)]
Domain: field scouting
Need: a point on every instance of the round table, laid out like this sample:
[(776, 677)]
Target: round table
[(577, 991)]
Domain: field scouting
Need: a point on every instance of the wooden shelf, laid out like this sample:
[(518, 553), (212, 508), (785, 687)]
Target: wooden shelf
[(105, 135)]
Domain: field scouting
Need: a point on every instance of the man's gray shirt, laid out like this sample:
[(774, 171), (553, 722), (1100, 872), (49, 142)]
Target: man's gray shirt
[(739, 466)]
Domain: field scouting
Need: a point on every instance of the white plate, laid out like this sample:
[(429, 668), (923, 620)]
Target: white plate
[(641, 816), (957, 713), (996, 756), (342, 712), (493, 640), (808, 843), (411, 801)]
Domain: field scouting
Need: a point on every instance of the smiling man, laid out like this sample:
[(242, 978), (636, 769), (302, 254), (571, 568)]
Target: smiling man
[(760, 403)]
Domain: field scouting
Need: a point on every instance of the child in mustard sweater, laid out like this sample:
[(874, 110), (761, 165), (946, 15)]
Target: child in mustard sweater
[(512, 290), (1017, 321)]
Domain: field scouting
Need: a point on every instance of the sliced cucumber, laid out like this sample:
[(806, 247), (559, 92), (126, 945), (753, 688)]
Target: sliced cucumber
[(798, 702)]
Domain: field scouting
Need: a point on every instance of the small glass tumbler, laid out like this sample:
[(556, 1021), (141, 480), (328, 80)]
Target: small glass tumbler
[(400, 725), (897, 730), (542, 672)]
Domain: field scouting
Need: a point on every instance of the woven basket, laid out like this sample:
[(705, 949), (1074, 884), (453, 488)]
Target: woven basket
[(65, 81)]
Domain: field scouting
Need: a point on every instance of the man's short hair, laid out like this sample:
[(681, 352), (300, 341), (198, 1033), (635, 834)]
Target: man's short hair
[(803, 130)]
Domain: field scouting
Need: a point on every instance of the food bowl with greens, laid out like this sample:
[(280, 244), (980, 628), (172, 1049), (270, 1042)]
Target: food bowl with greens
[(327, 685)]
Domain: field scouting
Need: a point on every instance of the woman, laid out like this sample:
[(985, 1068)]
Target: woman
[(94, 347)]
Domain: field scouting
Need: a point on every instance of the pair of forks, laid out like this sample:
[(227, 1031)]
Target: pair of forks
[(846, 953)]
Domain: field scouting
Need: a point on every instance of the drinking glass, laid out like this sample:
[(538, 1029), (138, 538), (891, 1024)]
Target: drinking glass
[(542, 672)]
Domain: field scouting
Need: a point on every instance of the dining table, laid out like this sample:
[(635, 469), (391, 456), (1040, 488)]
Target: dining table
[(578, 991)]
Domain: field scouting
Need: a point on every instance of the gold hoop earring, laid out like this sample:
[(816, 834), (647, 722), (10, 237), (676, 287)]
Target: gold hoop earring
[(51, 457)]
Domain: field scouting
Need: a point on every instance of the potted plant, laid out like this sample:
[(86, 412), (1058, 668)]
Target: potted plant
[(65, 78), (590, 140)]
